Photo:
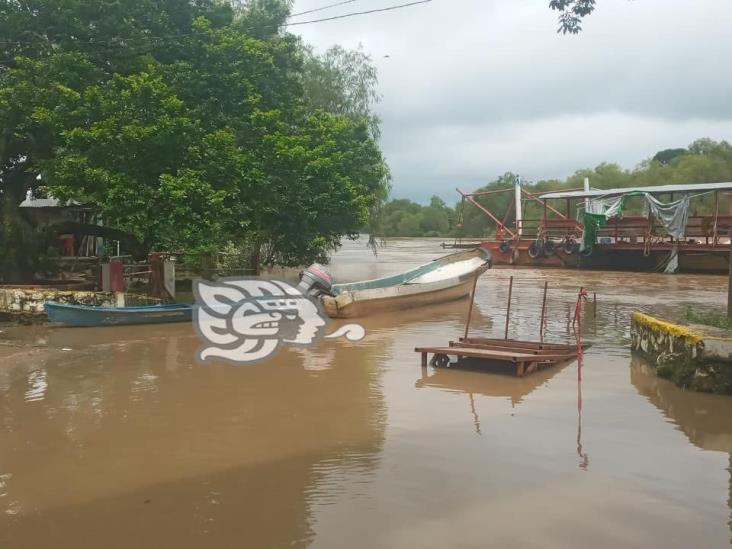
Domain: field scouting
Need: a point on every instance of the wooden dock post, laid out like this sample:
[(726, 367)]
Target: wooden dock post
[(508, 309), (472, 300)]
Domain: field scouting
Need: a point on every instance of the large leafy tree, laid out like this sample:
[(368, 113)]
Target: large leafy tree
[(187, 123), (345, 82)]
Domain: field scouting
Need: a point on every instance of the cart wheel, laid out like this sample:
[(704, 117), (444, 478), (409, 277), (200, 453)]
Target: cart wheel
[(571, 246), (535, 249)]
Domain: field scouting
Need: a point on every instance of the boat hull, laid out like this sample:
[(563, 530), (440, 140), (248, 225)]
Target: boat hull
[(344, 306), (85, 315), (370, 301), (622, 257)]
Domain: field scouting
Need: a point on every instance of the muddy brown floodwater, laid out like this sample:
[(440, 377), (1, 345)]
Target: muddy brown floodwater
[(116, 438)]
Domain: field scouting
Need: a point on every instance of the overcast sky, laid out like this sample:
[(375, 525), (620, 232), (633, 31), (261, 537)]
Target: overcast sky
[(475, 88)]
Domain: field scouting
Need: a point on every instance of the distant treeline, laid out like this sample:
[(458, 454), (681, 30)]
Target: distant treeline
[(704, 161)]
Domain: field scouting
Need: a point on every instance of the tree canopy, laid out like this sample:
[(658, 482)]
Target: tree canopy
[(406, 218), (191, 124), (571, 14)]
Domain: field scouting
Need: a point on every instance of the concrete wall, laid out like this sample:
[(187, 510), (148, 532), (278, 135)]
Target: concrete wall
[(28, 302), (686, 355)]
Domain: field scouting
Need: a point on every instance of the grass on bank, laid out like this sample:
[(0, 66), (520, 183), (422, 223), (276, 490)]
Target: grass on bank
[(718, 320)]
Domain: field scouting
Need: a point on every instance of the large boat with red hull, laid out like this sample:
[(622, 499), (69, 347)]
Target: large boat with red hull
[(650, 229)]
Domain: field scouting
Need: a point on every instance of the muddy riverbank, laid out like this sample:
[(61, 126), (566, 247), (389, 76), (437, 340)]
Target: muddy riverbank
[(115, 437)]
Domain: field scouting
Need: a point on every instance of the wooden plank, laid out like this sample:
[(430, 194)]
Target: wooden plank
[(518, 343), (493, 355), (507, 348)]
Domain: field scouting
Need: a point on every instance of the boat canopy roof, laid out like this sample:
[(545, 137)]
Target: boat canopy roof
[(655, 189)]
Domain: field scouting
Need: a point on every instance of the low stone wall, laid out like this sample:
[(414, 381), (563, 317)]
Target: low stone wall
[(26, 304), (687, 355)]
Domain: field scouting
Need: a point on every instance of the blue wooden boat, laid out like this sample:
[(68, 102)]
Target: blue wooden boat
[(90, 315)]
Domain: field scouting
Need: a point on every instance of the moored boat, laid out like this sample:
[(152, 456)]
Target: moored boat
[(90, 315), (445, 279)]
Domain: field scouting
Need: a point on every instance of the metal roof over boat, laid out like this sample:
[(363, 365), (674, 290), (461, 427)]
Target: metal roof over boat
[(655, 189)]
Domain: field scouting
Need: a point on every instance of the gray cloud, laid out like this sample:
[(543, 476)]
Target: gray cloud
[(474, 88)]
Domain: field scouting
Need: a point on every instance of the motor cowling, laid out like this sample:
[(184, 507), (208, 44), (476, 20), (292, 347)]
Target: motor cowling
[(316, 280)]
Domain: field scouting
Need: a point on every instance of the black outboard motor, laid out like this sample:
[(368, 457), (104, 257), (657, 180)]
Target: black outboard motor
[(315, 280)]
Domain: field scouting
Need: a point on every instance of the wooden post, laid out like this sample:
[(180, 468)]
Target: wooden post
[(594, 304), (508, 308), (543, 313), (470, 309)]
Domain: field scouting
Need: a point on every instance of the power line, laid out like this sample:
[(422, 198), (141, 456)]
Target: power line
[(148, 39), (354, 14), (323, 8)]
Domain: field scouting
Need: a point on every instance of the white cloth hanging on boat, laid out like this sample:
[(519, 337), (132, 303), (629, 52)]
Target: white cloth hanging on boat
[(674, 216)]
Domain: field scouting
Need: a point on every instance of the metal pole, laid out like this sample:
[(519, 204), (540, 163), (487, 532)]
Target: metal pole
[(519, 213), (470, 309), (543, 313), (729, 282), (579, 345), (508, 308), (478, 205), (716, 218)]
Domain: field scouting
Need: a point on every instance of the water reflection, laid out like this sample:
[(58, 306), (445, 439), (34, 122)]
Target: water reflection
[(471, 379), (126, 431), (125, 428), (705, 419)]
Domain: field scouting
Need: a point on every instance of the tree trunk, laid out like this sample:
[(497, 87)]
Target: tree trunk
[(17, 258)]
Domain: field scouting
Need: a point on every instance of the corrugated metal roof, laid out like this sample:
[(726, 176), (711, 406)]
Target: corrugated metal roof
[(656, 189)]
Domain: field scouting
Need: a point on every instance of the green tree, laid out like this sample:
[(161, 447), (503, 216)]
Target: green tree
[(410, 225), (343, 82), (667, 156), (571, 14), (194, 132)]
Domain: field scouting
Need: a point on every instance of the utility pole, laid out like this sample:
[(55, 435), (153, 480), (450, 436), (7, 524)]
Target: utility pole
[(729, 281), (519, 210)]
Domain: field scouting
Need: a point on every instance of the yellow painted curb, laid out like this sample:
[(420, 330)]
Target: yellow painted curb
[(675, 330)]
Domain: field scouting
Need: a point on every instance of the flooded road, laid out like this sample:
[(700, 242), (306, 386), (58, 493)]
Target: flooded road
[(116, 438)]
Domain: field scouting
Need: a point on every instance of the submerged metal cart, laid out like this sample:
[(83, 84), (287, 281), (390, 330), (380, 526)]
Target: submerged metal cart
[(526, 356)]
